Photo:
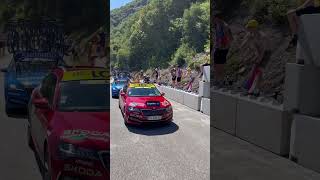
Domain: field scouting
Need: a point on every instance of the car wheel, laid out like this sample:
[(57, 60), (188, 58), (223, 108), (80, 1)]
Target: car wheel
[(9, 112), (46, 168), (30, 141), (29, 136)]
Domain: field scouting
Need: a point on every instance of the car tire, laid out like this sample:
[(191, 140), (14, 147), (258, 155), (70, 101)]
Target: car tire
[(46, 175), (125, 122), (30, 140), (9, 112)]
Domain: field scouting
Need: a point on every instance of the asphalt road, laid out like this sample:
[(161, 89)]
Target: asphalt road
[(235, 159), (180, 150), (17, 161)]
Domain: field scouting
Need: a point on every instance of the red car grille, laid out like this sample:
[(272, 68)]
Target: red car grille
[(105, 158), (153, 112)]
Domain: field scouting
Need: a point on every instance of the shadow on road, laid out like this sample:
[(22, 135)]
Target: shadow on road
[(154, 129), (21, 114)]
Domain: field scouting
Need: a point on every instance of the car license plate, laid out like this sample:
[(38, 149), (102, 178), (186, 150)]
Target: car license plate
[(154, 118)]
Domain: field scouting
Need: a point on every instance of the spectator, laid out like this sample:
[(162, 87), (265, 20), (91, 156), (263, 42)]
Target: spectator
[(192, 76), (93, 50), (258, 42), (207, 63), (179, 75), (2, 44), (102, 36), (308, 7), (254, 81), (155, 75), (223, 40), (140, 75), (173, 76)]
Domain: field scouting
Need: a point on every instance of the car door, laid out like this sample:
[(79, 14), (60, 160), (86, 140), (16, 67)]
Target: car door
[(10, 71), (39, 120), (122, 98)]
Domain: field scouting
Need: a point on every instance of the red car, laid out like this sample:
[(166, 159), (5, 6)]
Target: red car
[(143, 103), (69, 124)]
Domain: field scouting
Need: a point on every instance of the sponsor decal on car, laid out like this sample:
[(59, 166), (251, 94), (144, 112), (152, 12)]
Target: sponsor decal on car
[(82, 170), (79, 135), (141, 85)]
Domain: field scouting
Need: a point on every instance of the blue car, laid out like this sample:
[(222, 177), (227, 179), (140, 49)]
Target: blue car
[(23, 74), (116, 86)]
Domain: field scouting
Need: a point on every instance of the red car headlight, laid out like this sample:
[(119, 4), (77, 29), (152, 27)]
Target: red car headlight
[(169, 109), (133, 109), (165, 103)]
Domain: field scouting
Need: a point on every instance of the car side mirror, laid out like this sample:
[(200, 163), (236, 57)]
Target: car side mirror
[(4, 70), (123, 94), (162, 94), (41, 103)]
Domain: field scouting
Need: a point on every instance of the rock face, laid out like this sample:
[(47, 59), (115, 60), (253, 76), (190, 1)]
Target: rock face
[(240, 61)]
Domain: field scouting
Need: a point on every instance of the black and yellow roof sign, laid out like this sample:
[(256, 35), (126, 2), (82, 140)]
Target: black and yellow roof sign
[(85, 75)]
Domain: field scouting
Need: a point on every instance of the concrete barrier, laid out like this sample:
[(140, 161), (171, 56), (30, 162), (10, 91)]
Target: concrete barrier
[(302, 89), (168, 91), (206, 74), (292, 86), (224, 110), (309, 103), (264, 124), (205, 106), (305, 146), (204, 89), (192, 100), (160, 88), (309, 37), (178, 96)]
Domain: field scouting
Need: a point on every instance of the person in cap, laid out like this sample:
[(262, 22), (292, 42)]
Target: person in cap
[(259, 44), (223, 39), (307, 7), (173, 73)]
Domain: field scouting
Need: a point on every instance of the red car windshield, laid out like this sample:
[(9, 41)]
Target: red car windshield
[(142, 92), (89, 96)]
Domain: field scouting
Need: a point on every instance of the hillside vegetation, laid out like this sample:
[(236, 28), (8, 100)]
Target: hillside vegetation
[(159, 33), (77, 15)]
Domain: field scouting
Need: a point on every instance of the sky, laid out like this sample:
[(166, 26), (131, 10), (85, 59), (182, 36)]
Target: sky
[(118, 3)]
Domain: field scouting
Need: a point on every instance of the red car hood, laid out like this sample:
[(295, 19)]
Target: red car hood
[(85, 129), (141, 101)]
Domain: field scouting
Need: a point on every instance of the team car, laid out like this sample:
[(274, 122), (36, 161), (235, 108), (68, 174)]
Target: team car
[(36, 48), (24, 73), (69, 124), (142, 103), (116, 86)]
